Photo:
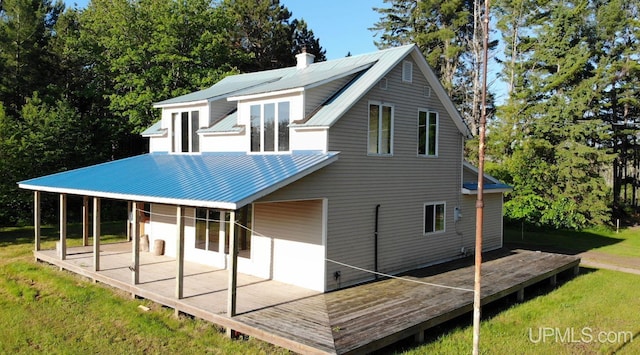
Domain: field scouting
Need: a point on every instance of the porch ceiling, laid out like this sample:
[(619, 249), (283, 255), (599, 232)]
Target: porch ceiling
[(226, 180)]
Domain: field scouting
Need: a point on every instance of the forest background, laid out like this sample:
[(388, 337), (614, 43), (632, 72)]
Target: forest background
[(77, 87)]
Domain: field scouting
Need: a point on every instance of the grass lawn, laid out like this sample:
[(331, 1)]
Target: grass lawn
[(599, 307), (45, 310), (624, 243), (597, 303)]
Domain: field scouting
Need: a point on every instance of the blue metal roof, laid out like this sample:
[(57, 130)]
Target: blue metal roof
[(224, 180), (471, 188)]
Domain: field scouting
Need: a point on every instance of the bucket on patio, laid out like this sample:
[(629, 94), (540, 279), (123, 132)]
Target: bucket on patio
[(144, 242), (158, 247)]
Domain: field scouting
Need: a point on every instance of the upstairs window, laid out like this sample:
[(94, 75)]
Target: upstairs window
[(184, 126), (427, 133), (380, 129), (270, 127)]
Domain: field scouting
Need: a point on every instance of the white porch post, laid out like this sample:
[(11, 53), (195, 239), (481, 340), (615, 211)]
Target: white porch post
[(63, 226), (222, 234), (96, 234), (36, 219), (129, 220), (85, 221), (180, 252), (135, 252), (233, 266)]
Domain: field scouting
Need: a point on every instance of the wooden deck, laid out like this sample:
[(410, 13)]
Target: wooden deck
[(354, 320)]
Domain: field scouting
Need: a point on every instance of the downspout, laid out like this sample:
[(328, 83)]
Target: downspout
[(375, 242)]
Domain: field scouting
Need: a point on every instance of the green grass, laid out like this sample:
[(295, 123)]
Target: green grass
[(624, 243), (594, 302), (44, 310)]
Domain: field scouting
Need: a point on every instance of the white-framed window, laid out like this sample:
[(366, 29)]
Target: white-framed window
[(208, 229), (380, 129), (434, 217), (184, 126), (208, 222), (428, 124), (407, 71), (270, 126)]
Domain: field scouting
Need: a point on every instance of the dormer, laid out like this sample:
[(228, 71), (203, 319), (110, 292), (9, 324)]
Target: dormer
[(282, 110)]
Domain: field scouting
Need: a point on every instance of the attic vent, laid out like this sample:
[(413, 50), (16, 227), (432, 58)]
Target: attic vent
[(383, 83), (407, 71), (426, 91)]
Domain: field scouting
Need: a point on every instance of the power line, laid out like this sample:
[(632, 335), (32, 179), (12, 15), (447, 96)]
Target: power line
[(254, 232), (400, 278)]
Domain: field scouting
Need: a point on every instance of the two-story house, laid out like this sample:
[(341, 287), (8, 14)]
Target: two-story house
[(333, 170)]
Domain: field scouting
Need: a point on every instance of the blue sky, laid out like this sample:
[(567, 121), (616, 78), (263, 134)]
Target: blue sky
[(341, 25)]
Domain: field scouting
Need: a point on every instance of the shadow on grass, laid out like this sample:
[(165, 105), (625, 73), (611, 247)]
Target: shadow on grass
[(110, 231), (565, 242)]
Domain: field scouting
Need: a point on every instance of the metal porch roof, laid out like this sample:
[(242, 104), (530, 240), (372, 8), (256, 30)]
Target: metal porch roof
[(225, 180), (471, 188)]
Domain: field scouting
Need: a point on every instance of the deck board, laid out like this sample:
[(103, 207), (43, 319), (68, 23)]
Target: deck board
[(353, 320)]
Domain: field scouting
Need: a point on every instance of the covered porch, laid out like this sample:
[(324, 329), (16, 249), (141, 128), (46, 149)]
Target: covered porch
[(184, 183), (358, 320), (204, 287)]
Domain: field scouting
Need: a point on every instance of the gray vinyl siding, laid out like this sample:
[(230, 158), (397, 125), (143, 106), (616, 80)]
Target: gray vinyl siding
[(401, 184), (295, 229), (316, 96), (299, 221), (220, 109), (492, 227)]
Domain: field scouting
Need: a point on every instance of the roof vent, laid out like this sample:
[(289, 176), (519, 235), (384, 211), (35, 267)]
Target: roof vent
[(304, 59)]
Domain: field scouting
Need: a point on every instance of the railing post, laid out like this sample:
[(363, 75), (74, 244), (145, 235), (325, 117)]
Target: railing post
[(36, 219), (63, 227), (96, 234)]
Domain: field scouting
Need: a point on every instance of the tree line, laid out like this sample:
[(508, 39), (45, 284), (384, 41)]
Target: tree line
[(566, 134), (77, 85)]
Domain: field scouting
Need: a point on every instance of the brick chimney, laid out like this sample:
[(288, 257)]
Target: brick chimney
[(304, 59)]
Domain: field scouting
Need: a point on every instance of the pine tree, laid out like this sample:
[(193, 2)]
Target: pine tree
[(550, 142), (449, 35), (264, 31), (304, 38), (26, 27), (618, 69)]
